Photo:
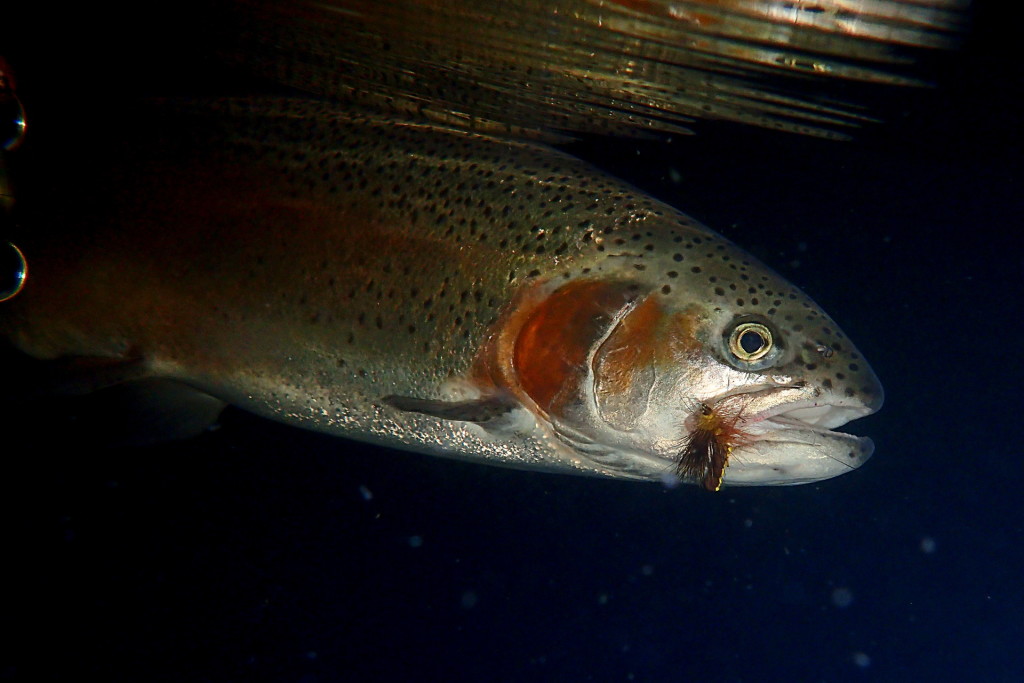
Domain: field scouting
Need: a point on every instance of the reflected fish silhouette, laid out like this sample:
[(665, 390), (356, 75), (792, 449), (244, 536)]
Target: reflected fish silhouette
[(383, 274)]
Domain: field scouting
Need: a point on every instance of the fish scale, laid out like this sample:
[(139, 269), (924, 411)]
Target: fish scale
[(435, 289)]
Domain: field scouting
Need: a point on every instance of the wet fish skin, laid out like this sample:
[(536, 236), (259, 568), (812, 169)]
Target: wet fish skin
[(615, 67), (360, 275)]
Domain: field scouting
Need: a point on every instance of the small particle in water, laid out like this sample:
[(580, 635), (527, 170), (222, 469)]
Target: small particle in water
[(647, 570), (602, 599), (366, 493), (675, 176), (747, 523), (801, 246), (311, 654), (842, 597), (861, 660), (669, 480), (415, 541), (928, 545), (469, 599)]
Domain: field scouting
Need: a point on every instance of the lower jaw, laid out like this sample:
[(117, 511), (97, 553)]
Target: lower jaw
[(796, 456)]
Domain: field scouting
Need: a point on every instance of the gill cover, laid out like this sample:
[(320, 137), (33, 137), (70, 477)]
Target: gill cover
[(589, 354)]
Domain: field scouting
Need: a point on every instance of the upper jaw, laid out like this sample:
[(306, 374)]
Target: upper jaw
[(810, 415), (764, 409)]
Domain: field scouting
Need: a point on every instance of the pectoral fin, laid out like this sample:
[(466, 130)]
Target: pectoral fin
[(482, 410)]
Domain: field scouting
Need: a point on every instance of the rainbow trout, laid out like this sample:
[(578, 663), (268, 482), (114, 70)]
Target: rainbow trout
[(437, 290)]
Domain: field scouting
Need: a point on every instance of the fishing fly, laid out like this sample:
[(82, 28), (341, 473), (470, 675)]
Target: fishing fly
[(705, 452)]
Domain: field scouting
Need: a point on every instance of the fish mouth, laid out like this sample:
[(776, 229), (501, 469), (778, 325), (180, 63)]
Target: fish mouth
[(788, 437)]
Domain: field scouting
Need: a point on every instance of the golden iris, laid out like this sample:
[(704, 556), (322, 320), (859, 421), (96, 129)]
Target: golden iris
[(750, 341)]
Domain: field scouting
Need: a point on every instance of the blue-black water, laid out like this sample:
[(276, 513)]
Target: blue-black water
[(259, 552)]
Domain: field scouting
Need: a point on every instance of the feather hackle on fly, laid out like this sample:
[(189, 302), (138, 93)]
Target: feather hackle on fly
[(705, 452)]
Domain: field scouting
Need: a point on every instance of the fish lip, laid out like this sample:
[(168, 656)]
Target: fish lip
[(789, 431), (781, 420), (805, 409)]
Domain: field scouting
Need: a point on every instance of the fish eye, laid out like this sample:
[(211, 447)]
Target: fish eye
[(13, 270), (750, 341)]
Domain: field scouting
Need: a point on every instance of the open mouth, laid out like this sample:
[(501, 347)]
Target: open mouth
[(789, 437), (809, 415)]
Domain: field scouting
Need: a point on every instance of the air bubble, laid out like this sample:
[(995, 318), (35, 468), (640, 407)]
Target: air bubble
[(13, 271)]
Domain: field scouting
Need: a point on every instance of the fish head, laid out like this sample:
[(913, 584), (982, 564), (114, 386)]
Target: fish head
[(731, 339), (708, 331), (779, 377)]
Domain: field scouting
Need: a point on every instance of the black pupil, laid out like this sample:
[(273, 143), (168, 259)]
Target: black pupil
[(751, 341)]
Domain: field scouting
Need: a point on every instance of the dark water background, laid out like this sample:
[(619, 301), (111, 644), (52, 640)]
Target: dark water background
[(260, 552)]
